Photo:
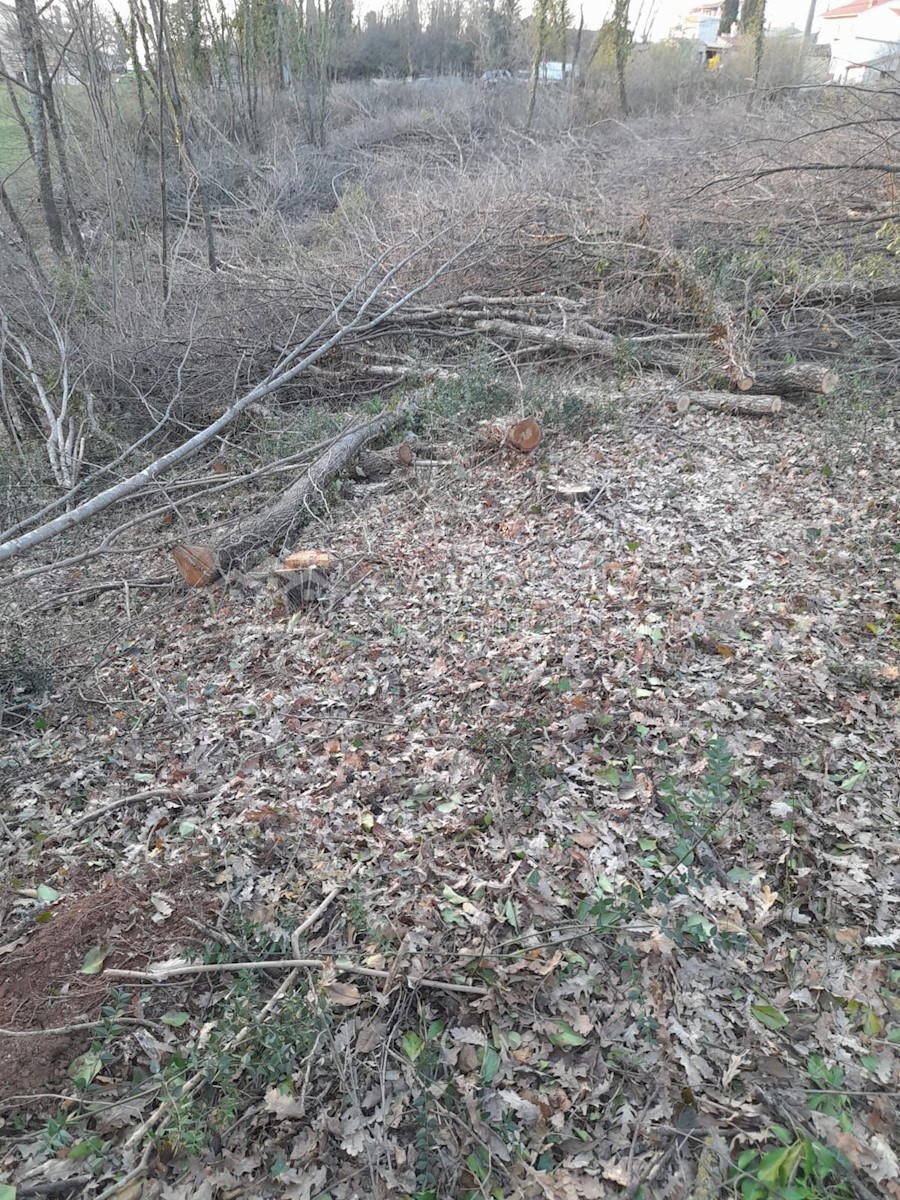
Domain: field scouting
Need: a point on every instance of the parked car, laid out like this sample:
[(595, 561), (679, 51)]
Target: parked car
[(492, 78)]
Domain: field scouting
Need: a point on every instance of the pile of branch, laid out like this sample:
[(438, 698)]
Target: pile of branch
[(531, 328)]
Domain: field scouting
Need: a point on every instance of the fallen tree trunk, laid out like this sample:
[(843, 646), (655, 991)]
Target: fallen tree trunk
[(604, 347), (859, 292), (292, 363), (799, 379), (742, 404), (595, 344), (276, 525)]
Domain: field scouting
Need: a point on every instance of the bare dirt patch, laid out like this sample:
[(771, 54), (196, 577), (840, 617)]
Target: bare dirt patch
[(41, 987)]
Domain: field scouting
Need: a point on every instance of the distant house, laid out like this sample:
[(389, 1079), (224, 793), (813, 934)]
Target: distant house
[(864, 37), (699, 28), (700, 24)]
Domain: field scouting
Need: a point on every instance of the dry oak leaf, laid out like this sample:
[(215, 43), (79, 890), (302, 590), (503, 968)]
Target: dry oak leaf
[(282, 1106), (343, 995)]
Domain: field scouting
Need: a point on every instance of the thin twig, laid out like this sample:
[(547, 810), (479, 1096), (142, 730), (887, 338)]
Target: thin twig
[(314, 964), (97, 813), (81, 1027)]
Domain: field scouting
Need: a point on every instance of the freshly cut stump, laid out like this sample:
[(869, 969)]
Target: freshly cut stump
[(304, 577), (523, 436), (196, 565)]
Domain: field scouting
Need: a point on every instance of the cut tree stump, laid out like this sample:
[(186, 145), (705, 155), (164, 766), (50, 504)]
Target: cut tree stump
[(196, 565), (523, 436), (304, 577)]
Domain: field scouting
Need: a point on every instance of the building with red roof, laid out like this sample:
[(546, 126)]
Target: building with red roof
[(864, 37)]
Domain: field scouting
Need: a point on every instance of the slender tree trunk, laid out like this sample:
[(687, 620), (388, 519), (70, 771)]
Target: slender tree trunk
[(29, 34), (563, 25), (541, 18), (59, 142), (757, 30), (163, 202), (102, 102), (576, 51), (22, 234), (184, 138), (17, 111), (622, 36)]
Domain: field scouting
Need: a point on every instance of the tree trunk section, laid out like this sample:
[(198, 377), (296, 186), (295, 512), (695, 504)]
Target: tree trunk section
[(29, 33), (59, 142), (523, 436), (741, 403), (745, 405), (279, 523), (799, 379)]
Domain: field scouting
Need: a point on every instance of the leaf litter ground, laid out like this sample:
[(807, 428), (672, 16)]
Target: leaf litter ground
[(627, 764)]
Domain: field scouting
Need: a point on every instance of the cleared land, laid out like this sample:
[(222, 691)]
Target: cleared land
[(573, 798)]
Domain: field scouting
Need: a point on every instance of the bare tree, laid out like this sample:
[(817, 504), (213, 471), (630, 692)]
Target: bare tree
[(30, 37), (65, 415), (576, 49), (563, 17), (542, 25)]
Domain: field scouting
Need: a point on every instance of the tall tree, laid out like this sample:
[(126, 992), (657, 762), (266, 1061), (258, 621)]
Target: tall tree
[(622, 42), (30, 40), (749, 10), (756, 30), (59, 142), (542, 26), (563, 17), (729, 16), (576, 49)]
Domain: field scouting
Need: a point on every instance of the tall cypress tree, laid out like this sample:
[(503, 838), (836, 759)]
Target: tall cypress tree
[(729, 16), (749, 13)]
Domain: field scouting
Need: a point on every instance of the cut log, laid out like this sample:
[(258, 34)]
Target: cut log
[(378, 464), (523, 436), (605, 346), (278, 524), (798, 379), (308, 560), (196, 565), (745, 405), (573, 491), (860, 293)]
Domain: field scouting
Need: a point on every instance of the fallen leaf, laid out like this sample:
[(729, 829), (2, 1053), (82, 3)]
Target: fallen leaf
[(343, 995)]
